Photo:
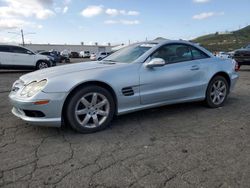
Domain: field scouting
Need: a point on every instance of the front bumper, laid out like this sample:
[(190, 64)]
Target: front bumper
[(52, 111), (234, 79)]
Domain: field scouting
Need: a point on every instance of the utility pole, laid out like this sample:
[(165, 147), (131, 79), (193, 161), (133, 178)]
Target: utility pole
[(22, 34)]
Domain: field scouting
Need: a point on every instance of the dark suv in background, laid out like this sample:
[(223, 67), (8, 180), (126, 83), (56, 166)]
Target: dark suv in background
[(242, 56)]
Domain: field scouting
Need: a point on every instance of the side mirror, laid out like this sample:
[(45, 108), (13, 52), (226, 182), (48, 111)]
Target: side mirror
[(156, 62)]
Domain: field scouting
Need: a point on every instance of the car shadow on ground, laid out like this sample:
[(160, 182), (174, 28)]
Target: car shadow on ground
[(160, 115)]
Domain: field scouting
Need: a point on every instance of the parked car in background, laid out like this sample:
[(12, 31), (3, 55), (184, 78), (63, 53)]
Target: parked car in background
[(93, 57), (223, 55), (53, 57), (74, 55), (17, 57), (65, 54), (99, 56), (140, 76), (84, 54), (242, 56)]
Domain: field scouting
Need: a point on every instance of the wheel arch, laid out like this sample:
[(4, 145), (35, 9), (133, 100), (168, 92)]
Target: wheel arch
[(223, 74), (42, 60), (89, 83)]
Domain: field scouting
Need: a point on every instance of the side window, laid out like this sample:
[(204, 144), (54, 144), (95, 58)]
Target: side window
[(16, 49), (197, 54), (174, 53), (4, 49)]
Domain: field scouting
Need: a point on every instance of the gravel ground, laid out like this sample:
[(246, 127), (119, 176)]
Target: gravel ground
[(185, 145)]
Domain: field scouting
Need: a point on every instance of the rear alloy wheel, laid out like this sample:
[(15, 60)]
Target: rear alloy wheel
[(90, 109), (217, 92), (42, 65)]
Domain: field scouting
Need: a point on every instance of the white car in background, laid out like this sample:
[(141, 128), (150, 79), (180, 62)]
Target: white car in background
[(17, 57), (84, 54), (99, 56), (223, 55), (65, 53)]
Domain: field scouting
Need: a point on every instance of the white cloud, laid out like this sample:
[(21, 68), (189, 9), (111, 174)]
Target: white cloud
[(123, 12), (26, 8), (206, 15), (40, 26), (5, 39), (65, 9), (112, 12), (110, 22), (115, 12), (13, 23), (130, 22), (133, 13), (58, 9), (44, 14), (124, 22), (201, 1), (92, 11), (62, 10)]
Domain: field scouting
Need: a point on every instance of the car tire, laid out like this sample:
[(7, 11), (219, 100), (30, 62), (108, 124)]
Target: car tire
[(42, 65), (217, 92), (90, 109)]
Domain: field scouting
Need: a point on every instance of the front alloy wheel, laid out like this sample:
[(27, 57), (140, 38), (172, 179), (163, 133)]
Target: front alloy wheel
[(90, 109), (42, 65), (217, 92)]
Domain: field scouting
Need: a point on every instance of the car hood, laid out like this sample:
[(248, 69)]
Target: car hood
[(40, 56), (64, 69)]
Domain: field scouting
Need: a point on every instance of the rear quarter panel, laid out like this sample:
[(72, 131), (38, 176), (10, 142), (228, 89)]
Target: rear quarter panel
[(213, 66)]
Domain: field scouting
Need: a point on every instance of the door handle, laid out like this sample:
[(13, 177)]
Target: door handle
[(195, 67)]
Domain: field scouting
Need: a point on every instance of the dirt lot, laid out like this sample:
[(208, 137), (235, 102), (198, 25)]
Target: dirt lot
[(186, 145)]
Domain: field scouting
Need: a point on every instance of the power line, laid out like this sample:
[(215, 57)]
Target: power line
[(22, 34)]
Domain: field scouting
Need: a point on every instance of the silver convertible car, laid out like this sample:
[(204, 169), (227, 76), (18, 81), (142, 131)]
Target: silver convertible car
[(88, 95)]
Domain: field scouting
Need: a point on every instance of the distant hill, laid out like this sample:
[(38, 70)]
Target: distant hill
[(226, 41)]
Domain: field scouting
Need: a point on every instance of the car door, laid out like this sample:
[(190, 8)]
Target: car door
[(22, 56), (5, 55), (178, 80)]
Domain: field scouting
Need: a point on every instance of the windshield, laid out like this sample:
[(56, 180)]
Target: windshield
[(129, 54)]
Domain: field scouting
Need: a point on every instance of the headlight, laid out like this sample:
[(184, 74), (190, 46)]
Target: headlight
[(33, 88)]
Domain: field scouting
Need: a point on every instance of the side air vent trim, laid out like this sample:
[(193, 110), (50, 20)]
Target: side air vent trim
[(128, 91)]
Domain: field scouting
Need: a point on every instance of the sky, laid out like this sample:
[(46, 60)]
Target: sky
[(117, 21)]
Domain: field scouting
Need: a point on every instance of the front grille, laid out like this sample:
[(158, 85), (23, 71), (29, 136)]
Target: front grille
[(128, 91)]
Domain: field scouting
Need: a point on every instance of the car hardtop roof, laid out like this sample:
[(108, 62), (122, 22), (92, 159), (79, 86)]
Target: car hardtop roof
[(166, 41), (158, 43), (16, 45)]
